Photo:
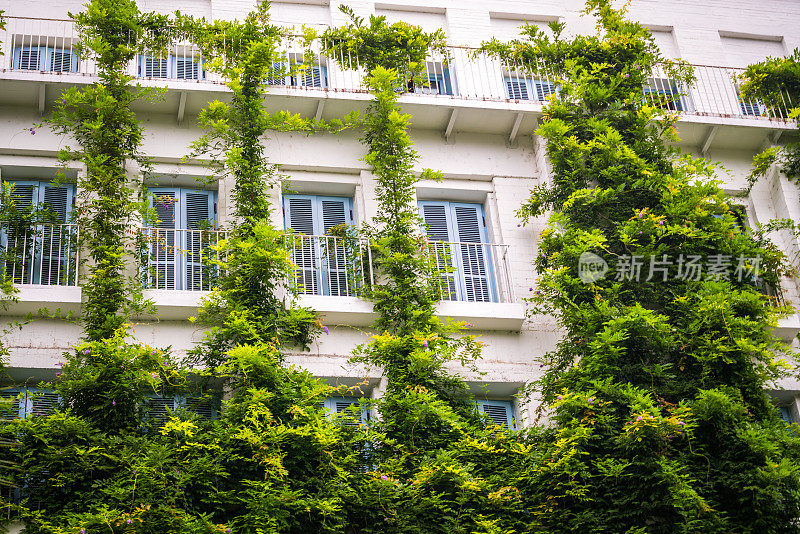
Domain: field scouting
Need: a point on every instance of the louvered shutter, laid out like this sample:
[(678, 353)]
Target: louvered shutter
[(278, 74), (499, 412), (786, 415), (42, 402), (473, 254), (205, 406), (162, 242), (299, 217), (62, 60), (18, 241), (14, 405), (436, 217), (334, 212), (315, 77), (543, 89), (153, 67), (160, 407), (346, 406), (29, 58), (187, 68), (196, 208), (58, 243), (517, 89), (663, 93)]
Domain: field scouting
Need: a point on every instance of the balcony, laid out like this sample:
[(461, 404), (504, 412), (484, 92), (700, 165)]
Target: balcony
[(44, 49)]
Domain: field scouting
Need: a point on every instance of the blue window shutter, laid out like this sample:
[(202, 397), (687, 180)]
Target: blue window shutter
[(786, 415), (499, 412), (162, 242), (342, 405), (436, 217), (474, 260), (18, 402), (154, 67), (57, 241), (160, 407), (279, 74), (30, 58), (446, 88), (333, 212), (299, 216), (438, 227), (62, 60), (543, 89), (196, 207), (315, 77), (42, 401), (518, 88)]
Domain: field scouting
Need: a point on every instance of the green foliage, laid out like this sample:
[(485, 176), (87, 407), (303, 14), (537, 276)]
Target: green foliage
[(636, 445), (401, 47), (100, 119)]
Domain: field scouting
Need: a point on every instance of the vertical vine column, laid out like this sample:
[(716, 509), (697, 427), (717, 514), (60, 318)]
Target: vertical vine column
[(100, 119)]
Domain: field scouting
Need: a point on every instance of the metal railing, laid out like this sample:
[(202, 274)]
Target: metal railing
[(47, 46), (44, 254), (472, 272), (331, 265), (178, 259)]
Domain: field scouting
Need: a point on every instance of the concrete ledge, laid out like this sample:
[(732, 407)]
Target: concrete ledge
[(34, 297), (175, 305), (788, 328), (484, 315), (351, 311)]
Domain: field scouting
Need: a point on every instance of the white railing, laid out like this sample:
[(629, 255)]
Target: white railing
[(331, 265), (178, 259), (472, 272), (44, 254), (47, 46)]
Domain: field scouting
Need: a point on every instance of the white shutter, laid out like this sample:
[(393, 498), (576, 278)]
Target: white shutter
[(188, 68), (315, 77)]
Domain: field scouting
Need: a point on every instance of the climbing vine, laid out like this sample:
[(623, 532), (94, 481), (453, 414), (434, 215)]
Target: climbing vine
[(656, 391)]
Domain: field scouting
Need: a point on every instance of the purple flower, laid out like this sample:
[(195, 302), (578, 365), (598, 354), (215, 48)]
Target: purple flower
[(560, 397), (83, 531), (60, 364), (661, 223), (425, 343), (530, 289), (640, 214), (626, 75), (33, 131), (325, 329), (134, 471), (541, 365), (519, 226), (384, 477), (58, 374), (113, 403), (591, 400), (681, 423), (128, 521), (469, 325), (86, 351), (639, 418)]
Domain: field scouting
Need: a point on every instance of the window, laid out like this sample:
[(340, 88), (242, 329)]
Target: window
[(751, 107), (786, 414), (175, 245), (438, 78), (44, 58), (46, 252), (160, 407), (29, 402), (458, 236), (499, 412), (664, 93), (326, 264), (177, 67), (529, 89), (355, 414), (293, 73)]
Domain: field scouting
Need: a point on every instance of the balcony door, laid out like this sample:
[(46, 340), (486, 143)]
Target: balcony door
[(45, 252), (174, 244), (324, 262), (459, 240)]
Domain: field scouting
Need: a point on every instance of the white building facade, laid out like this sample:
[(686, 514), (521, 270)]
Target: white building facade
[(474, 119)]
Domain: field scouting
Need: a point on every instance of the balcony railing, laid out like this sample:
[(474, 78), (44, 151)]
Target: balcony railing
[(331, 265), (178, 259), (472, 272), (47, 47), (44, 254)]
